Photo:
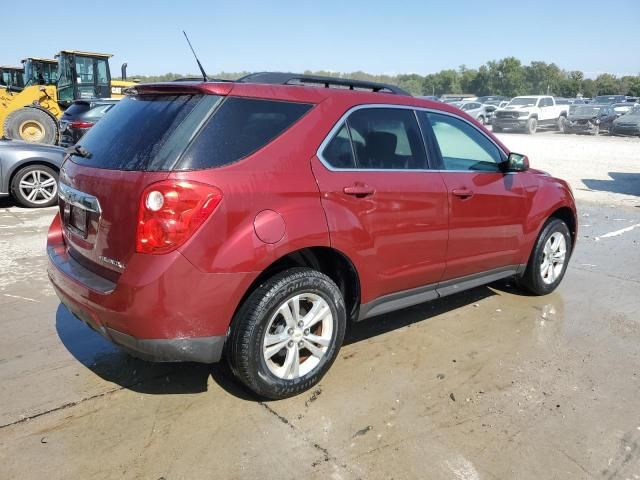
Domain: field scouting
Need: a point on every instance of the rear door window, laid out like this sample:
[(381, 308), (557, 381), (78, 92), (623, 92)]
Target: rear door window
[(146, 132), (240, 127), (387, 139), (338, 153)]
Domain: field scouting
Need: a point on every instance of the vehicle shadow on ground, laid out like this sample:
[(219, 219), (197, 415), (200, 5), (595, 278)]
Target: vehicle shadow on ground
[(625, 183), (113, 365)]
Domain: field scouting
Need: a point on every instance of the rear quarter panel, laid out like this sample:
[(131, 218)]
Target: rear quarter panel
[(277, 177)]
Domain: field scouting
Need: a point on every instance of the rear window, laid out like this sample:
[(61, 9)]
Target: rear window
[(77, 108), (98, 112), (146, 132), (240, 127)]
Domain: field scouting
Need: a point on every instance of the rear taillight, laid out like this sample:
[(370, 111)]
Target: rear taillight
[(81, 124), (170, 211)]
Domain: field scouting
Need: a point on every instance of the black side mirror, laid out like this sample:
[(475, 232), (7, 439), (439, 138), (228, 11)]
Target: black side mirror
[(516, 162)]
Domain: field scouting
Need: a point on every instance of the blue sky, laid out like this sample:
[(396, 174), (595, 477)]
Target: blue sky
[(339, 35)]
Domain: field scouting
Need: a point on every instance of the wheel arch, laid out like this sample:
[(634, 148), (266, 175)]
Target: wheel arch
[(567, 215), (330, 261)]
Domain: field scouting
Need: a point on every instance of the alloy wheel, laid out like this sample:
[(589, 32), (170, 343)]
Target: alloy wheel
[(298, 336), (553, 258), (38, 187)]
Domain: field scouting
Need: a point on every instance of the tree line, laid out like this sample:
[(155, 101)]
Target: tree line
[(508, 77)]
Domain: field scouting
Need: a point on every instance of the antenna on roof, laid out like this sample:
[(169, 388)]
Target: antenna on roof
[(204, 74)]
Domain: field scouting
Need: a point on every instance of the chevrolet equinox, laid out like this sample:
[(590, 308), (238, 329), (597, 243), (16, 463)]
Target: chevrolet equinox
[(254, 219)]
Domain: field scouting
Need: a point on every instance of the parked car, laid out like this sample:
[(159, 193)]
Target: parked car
[(490, 111), (591, 119), (259, 216), (627, 124), (608, 99), (622, 108), (81, 116), (529, 112), (492, 99), (29, 172), (474, 109)]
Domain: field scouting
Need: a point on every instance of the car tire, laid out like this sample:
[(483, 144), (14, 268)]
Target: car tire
[(596, 132), (482, 120), (562, 124), (31, 125), (532, 126), (549, 258), (268, 348), (35, 186)]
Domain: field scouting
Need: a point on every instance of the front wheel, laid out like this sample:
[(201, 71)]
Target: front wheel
[(549, 258), (287, 333), (532, 126), (31, 125)]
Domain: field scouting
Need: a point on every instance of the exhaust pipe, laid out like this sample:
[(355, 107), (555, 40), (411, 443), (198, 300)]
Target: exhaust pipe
[(123, 70)]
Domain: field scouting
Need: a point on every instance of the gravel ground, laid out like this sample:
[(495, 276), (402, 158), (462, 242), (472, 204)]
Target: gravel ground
[(600, 169)]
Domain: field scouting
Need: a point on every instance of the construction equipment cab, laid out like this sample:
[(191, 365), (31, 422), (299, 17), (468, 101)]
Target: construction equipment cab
[(11, 76), (32, 113), (40, 71)]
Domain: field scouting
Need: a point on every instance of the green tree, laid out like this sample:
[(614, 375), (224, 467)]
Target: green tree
[(589, 88), (412, 83), (511, 80), (606, 84), (467, 79)]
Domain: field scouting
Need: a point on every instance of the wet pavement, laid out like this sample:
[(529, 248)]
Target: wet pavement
[(488, 384)]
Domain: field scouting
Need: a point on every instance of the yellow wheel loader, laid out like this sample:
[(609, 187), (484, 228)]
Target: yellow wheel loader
[(31, 113)]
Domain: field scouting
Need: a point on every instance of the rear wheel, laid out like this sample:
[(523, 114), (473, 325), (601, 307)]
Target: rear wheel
[(35, 186), (31, 125), (549, 259), (532, 126), (287, 333)]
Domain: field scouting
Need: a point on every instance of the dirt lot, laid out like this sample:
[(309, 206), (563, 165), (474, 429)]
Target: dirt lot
[(488, 384)]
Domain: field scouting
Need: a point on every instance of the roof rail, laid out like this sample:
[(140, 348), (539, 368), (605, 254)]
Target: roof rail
[(281, 78)]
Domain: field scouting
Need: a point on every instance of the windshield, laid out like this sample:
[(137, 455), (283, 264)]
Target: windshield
[(622, 109), (634, 111), (586, 110), (524, 101)]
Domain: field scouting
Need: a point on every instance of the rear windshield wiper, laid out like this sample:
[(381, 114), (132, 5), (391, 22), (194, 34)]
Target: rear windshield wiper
[(78, 150)]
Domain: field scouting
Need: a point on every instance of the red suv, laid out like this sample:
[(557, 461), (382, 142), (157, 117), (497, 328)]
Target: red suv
[(258, 217)]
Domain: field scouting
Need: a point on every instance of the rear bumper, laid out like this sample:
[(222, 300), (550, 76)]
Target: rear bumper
[(195, 349), (162, 308)]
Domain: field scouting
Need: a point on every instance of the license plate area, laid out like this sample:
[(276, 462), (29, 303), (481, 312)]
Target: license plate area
[(76, 220)]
